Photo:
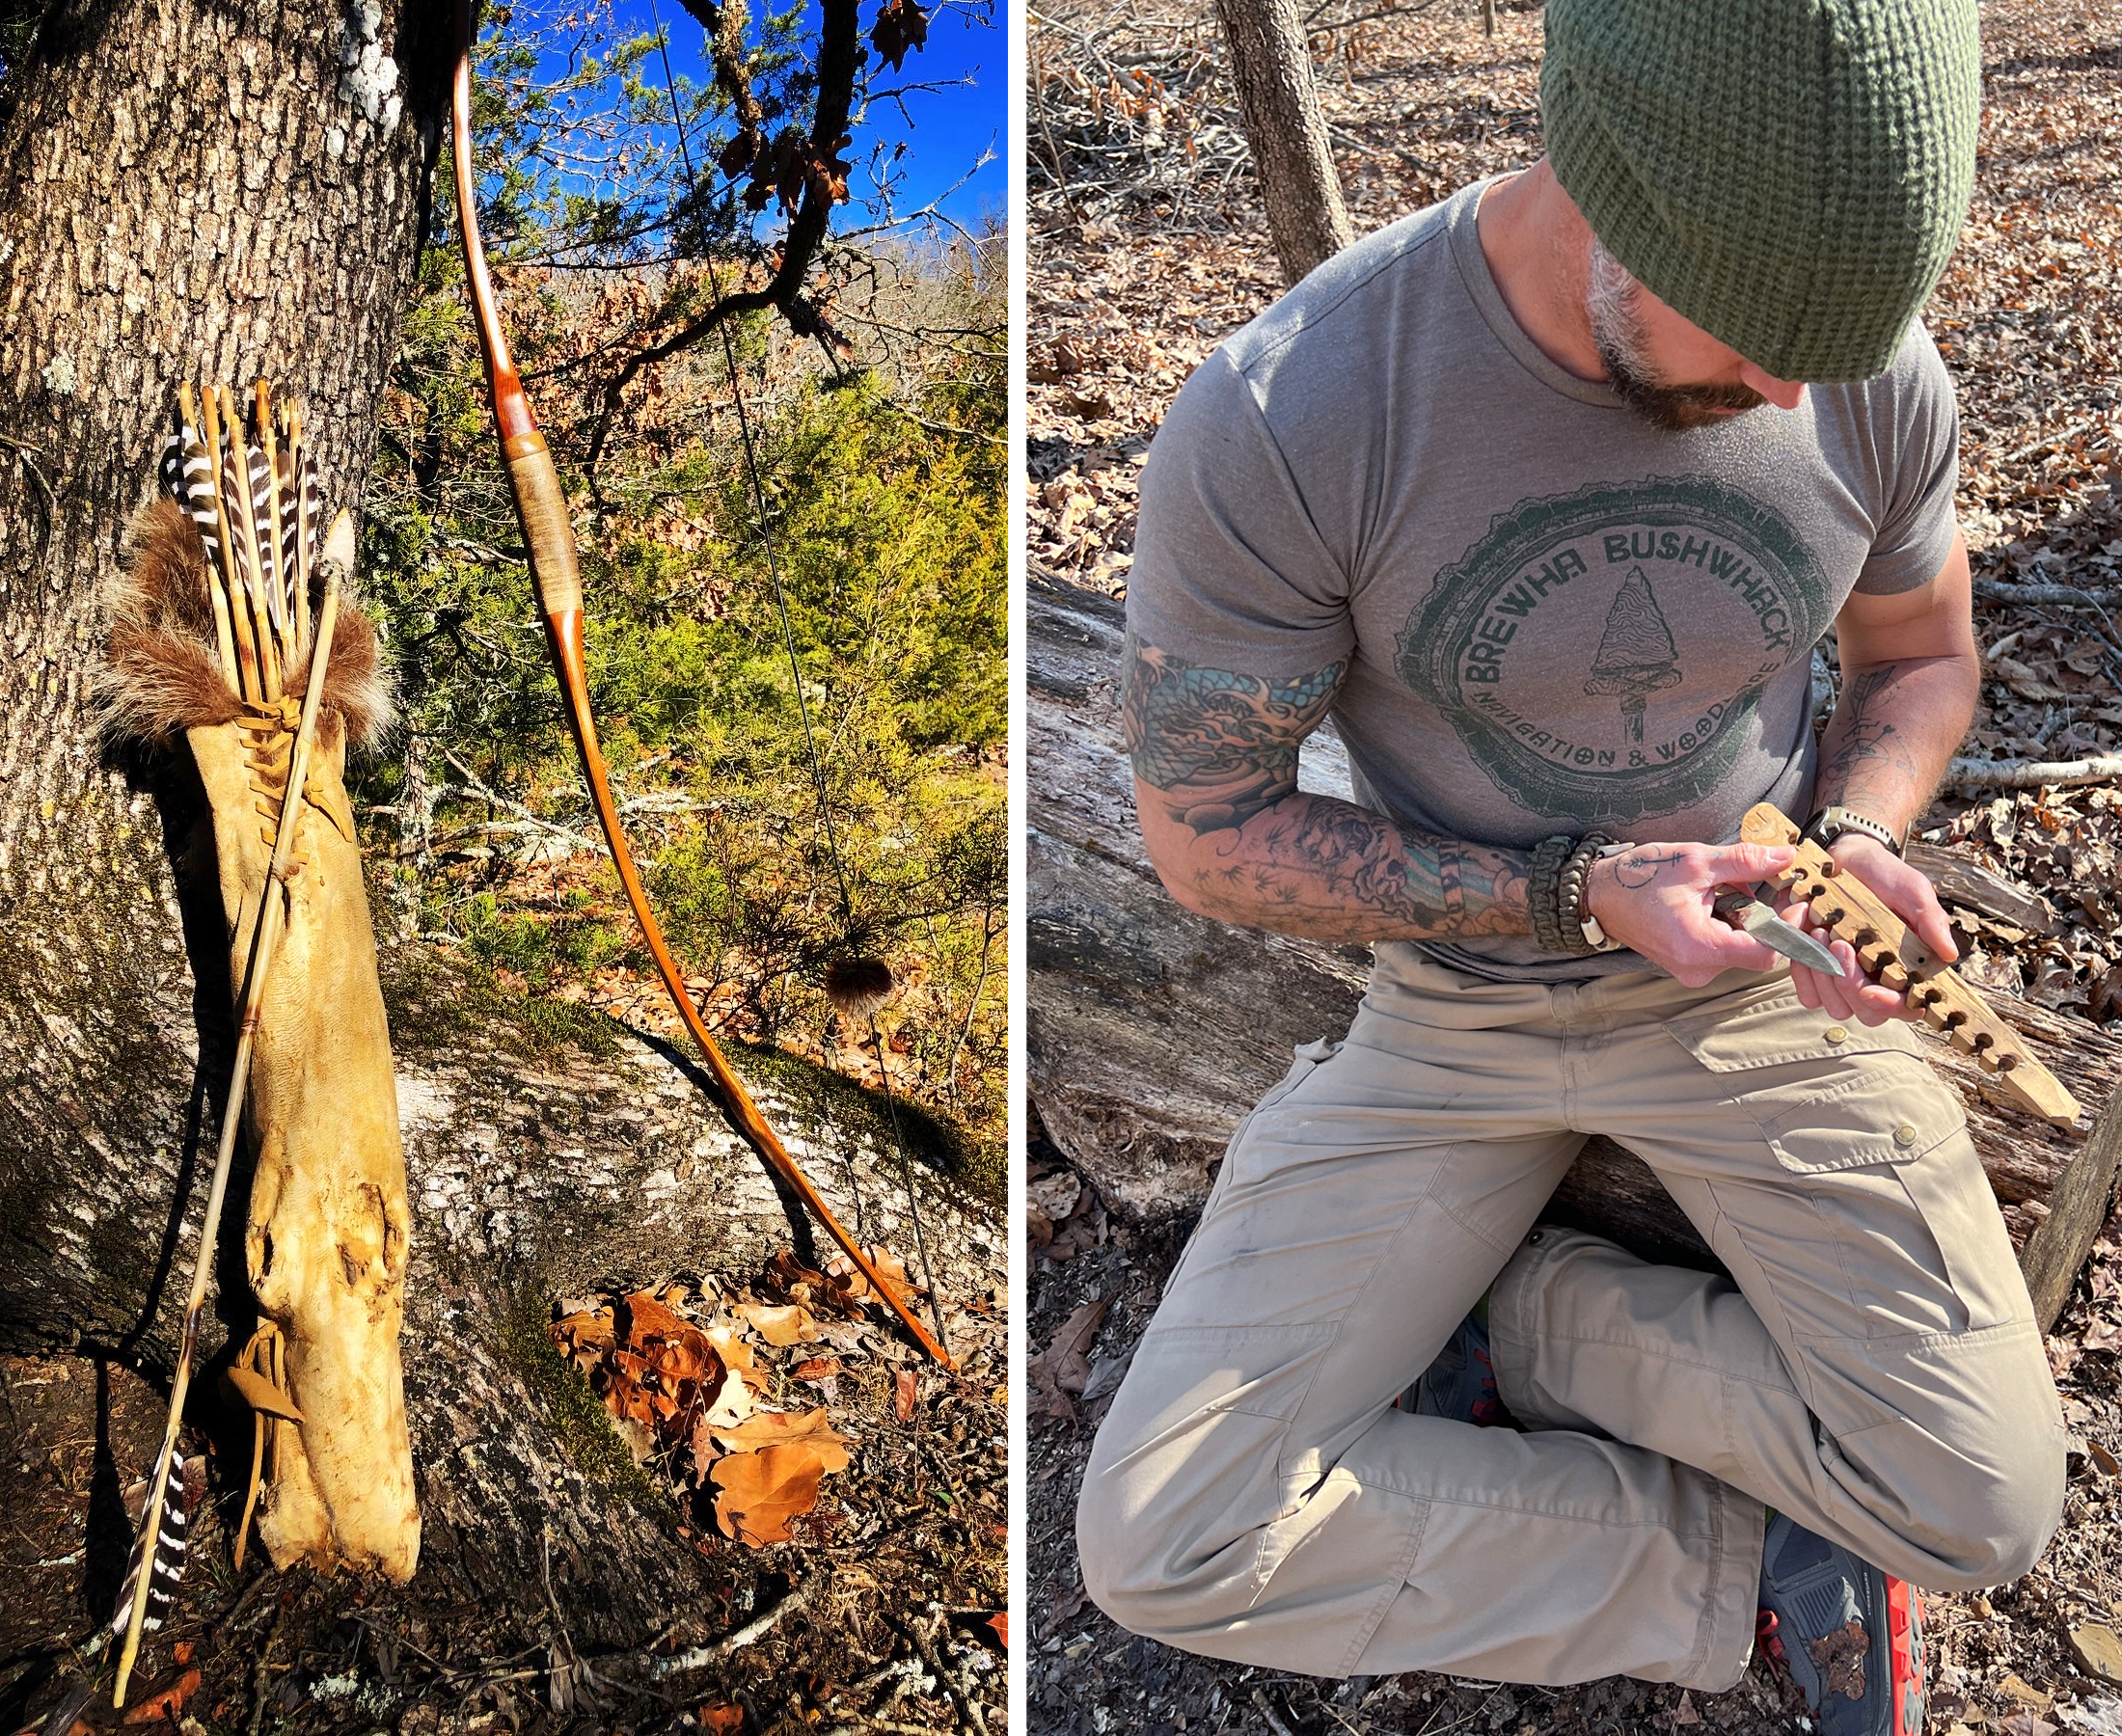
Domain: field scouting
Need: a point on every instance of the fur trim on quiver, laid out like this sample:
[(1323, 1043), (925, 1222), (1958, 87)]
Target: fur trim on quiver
[(165, 674)]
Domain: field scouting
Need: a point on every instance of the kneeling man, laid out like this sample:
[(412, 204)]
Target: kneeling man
[(1545, 496)]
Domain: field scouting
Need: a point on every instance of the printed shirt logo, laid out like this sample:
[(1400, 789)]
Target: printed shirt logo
[(1603, 654)]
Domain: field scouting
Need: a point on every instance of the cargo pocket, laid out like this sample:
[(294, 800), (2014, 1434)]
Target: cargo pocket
[(1876, 1148), (1825, 1095)]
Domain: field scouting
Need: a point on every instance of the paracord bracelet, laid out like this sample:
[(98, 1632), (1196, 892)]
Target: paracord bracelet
[(1569, 894), (1542, 891)]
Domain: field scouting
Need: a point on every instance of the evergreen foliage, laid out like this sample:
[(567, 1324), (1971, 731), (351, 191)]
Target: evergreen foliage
[(884, 500)]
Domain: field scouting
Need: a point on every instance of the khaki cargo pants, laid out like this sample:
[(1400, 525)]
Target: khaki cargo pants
[(1875, 1372)]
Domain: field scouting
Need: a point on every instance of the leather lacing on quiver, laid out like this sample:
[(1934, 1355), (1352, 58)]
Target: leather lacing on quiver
[(268, 735), (259, 1376)]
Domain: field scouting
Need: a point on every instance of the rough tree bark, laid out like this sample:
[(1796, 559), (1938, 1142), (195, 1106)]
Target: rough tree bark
[(1149, 1030), (230, 186), (1272, 66)]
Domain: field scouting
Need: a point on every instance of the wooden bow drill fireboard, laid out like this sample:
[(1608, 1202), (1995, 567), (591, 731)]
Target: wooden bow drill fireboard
[(1888, 952), (549, 544)]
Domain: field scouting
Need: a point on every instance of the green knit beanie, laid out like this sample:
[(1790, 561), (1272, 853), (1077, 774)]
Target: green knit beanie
[(1789, 174)]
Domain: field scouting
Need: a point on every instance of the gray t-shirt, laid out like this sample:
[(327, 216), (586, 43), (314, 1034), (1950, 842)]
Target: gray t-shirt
[(1556, 617)]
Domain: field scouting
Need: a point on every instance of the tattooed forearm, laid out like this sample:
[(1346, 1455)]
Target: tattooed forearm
[(1863, 742), (1215, 755), (1328, 869), (1890, 736)]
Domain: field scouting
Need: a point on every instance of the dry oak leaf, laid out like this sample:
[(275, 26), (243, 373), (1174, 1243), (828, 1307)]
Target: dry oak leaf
[(788, 1324), (721, 1719), (165, 1705), (905, 1394), (901, 24), (732, 1402), (889, 1267), (735, 1350), (788, 1280), (779, 1428), (585, 1337), (760, 1491), (1841, 1656), (1067, 1357)]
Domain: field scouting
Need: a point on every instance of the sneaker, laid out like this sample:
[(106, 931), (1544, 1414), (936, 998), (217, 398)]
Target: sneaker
[(1851, 1635), (1461, 1383)]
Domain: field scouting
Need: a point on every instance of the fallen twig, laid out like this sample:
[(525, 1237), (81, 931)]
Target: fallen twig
[(699, 1657), (2031, 775), (1994, 590), (934, 1654), (1276, 1723)]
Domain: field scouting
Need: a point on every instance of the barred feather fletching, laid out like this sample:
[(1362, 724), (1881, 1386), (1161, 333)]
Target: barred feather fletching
[(289, 526), (268, 556), (236, 501), (158, 1557), (187, 474), (300, 516), (313, 505)]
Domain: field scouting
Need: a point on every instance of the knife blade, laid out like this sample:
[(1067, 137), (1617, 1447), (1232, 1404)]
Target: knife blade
[(1774, 932)]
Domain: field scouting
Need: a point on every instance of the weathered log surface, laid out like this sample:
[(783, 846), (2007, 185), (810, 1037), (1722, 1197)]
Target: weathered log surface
[(1152, 1030)]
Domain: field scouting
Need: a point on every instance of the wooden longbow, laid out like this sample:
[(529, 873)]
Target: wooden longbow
[(549, 542)]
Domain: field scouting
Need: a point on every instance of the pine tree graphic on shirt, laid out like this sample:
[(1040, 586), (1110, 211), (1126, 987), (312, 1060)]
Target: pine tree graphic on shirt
[(1637, 656)]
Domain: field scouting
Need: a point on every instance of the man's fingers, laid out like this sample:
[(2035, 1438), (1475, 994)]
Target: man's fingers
[(1839, 993), (1718, 947), (1742, 864), (1903, 889)]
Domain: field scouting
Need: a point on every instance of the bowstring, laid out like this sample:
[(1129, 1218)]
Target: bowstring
[(796, 675)]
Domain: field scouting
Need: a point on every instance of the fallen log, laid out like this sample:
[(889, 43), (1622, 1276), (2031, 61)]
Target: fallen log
[(1151, 1030)]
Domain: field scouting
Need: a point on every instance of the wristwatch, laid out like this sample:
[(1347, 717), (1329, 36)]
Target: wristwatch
[(1596, 936), (1831, 823)]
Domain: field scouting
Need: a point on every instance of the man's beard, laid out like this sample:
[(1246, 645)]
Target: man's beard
[(1613, 304)]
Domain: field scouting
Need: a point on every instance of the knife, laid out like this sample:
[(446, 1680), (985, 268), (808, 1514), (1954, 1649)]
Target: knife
[(1774, 932)]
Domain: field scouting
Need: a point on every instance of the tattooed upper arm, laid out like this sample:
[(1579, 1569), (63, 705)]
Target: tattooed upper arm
[(1228, 738)]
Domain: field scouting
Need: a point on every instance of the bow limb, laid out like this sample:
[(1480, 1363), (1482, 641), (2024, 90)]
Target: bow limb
[(549, 542)]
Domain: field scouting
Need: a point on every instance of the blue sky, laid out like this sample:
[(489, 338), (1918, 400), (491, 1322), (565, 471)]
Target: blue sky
[(944, 130)]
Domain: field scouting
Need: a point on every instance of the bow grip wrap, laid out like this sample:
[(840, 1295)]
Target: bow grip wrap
[(542, 510)]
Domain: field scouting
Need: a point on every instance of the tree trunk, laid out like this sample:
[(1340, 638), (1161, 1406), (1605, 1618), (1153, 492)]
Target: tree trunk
[(188, 188), (182, 186), (1272, 66), (1152, 1030)]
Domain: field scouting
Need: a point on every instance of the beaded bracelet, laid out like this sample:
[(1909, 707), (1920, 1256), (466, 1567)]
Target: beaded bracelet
[(1542, 891), (1569, 886)]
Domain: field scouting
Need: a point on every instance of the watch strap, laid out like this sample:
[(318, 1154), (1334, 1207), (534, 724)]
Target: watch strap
[(1831, 823)]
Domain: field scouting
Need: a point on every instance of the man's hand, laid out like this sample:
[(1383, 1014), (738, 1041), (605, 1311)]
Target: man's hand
[(1657, 898), (1905, 892)]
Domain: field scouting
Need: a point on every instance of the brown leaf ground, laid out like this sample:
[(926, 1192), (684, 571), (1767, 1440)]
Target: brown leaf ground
[(900, 1558), (1147, 250)]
